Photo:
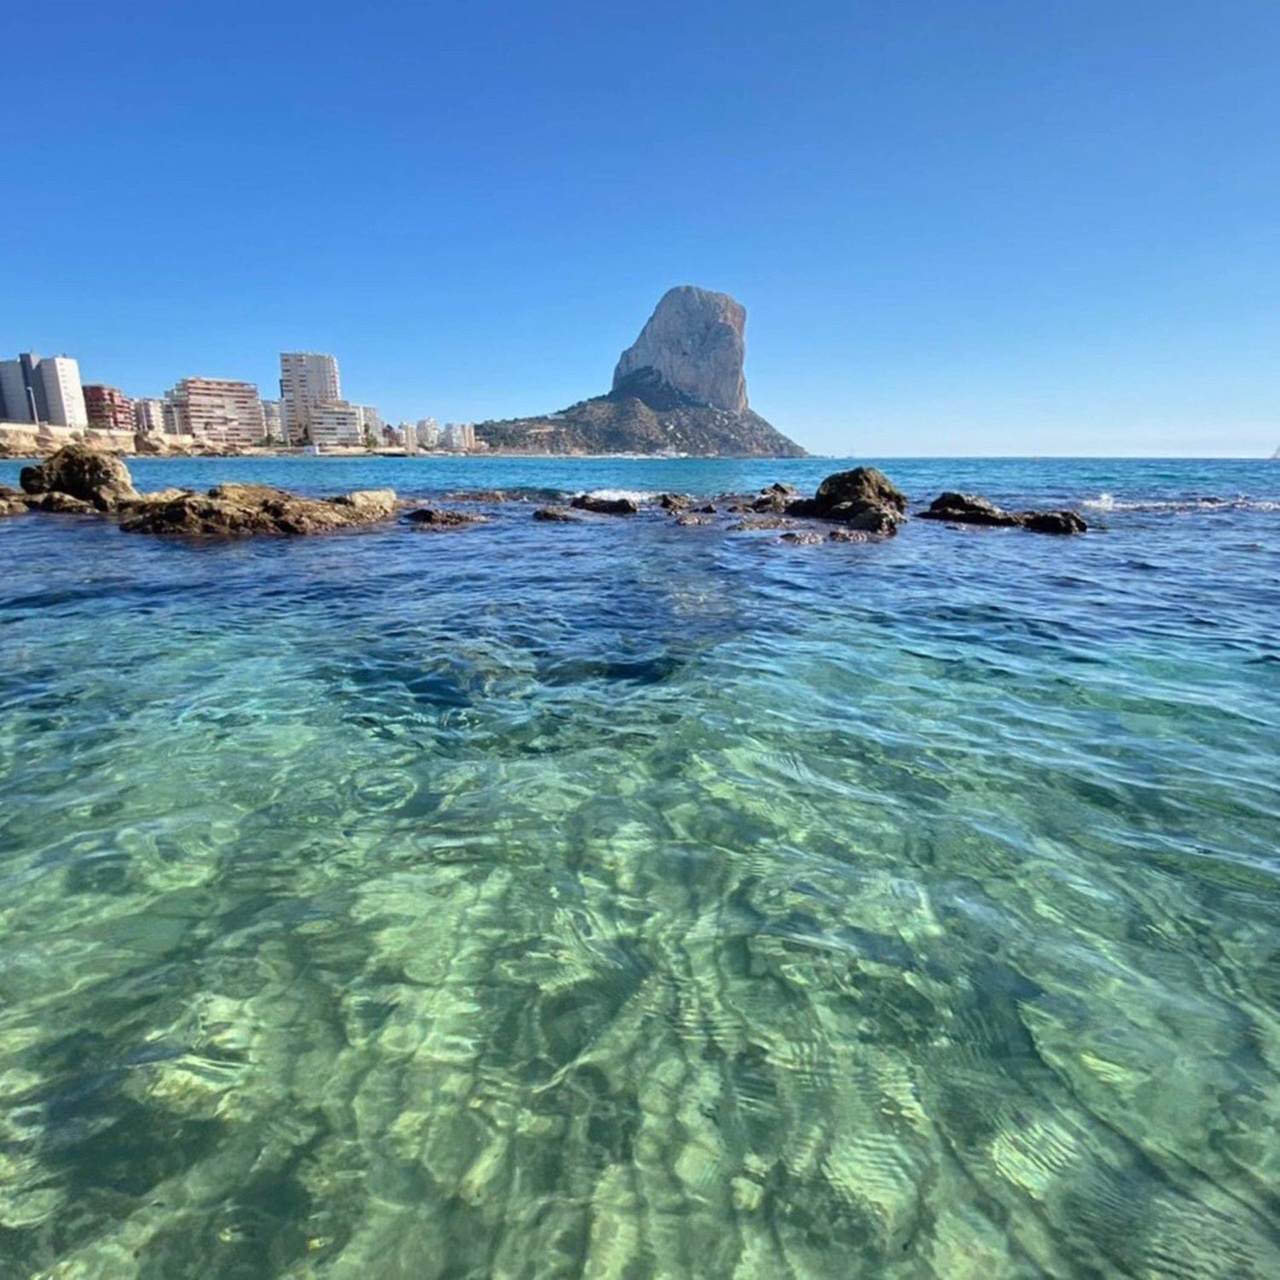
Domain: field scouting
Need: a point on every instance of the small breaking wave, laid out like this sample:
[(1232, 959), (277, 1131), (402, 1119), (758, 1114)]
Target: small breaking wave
[(1192, 502)]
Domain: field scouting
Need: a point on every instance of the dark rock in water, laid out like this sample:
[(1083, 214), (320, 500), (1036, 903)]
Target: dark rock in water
[(479, 495), (606, 506), (709, 509), (81, 472), (864, 499), (845, 534), (692, 518), (860, 488), (63, 504), (966, 508), (803, 538), (761, 522), (233, 510), (1062, 522), (673, 501), (777, 498), (437, 518), (558, 515)]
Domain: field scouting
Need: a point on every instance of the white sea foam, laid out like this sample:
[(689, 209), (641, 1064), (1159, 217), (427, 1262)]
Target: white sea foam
[(1241, 502), (613, 495)]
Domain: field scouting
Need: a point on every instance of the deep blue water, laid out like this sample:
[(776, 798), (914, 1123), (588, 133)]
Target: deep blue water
[(624, 900)]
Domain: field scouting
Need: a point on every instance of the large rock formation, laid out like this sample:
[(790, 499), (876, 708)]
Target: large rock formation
[(679, 388), (230, 510), (694, 343), (83, 473)]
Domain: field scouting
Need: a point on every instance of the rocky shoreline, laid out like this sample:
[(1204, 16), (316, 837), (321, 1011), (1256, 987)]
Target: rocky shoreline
[(859, 505)]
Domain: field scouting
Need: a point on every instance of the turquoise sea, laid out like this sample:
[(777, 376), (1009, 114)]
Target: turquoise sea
[(619, 900)]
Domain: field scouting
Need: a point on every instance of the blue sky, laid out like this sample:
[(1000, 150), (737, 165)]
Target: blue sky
[(998, 226)]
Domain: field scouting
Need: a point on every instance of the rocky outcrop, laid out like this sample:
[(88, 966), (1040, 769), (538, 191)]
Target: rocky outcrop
[(235, 510), (967, 508), (605, 506), (694, 343), (864, 499), (441, 518), (680, 388), (83, 473)]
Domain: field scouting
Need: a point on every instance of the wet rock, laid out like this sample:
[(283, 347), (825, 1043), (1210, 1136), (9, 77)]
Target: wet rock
[(864, 499), (845, 534), (673, 501), (237, 510), (606, 506), (692, 518), (479, 495), (80, 472), (1059, 522), (777, 498), (967, 508), (438, 518), (708, 510), (12, 502), (762, 522), (63, 504), (560, 515), (376, 504), (803, 538)]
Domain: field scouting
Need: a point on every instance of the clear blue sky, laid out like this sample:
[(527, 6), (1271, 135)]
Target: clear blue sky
[(958, 226)]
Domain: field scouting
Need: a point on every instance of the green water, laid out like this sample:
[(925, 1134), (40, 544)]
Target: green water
[(525, 904)]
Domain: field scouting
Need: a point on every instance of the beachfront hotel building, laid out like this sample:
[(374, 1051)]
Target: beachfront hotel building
[(35, 389), (217, 411), (108, 408), (308, 379)]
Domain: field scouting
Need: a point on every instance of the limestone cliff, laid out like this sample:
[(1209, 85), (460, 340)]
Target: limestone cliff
[(679, 388)]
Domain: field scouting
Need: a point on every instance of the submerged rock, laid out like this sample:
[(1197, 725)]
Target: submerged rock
[(438, 518), (606, 506), (965, 508), (235, 510), (803, 538), (560, 515), (80, 472)]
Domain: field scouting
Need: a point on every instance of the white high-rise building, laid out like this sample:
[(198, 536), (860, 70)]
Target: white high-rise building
[(336, 423), (272, 417), (63, 393), (307, 379), (42, 390), (148, 416)]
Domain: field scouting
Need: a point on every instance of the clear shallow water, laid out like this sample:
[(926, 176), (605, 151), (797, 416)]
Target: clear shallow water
[(625, 900)]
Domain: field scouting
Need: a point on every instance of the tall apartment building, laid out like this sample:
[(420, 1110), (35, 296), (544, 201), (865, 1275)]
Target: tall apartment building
[(42, 390), (217, 410), (148, 417), (336, 423), (108, 408), (273, 420), (308, 379), (458, 435)]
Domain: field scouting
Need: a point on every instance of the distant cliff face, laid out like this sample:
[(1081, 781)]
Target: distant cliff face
[(679, 388), (695, 343)]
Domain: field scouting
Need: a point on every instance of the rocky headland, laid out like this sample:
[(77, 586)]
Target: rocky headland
[(679, 388)]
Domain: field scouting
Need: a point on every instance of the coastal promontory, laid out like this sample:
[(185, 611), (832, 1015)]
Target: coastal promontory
[(679, 388)]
